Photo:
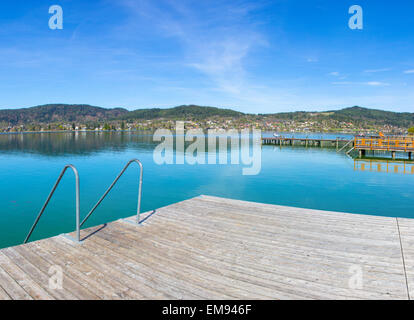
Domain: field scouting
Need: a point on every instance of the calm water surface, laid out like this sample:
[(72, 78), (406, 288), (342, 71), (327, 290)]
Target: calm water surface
[(310, 178)]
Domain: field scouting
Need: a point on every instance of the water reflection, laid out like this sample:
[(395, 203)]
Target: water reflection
[(87, 143), (382, 165), (75, 143)]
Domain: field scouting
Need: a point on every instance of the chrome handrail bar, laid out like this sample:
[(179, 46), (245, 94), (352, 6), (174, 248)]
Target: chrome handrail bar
[(352, 140), (75, 171), (112, 185)]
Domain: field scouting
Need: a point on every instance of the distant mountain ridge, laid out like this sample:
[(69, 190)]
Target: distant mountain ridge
[(59, 113), (182, 112), (53, 113), (356, 115)]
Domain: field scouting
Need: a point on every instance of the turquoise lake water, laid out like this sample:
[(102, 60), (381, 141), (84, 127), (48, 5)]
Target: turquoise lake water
[(309, 178)]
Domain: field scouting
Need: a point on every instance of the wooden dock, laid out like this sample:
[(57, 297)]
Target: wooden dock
[(305, 142), (214, 248), (385, 145)]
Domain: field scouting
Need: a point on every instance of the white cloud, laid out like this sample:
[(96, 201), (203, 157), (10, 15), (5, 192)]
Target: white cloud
[(377, 84), (378, 70), (369, 83), (216, 41), (409, 71)]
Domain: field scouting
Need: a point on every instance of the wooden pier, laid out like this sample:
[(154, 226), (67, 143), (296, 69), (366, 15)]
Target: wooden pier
[(214, 248), (305, 142), (385, 145), (377, 146)]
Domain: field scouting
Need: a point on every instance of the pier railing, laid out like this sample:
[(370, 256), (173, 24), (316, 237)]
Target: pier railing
[(113, 184), (404, 144), (75, 171), (78, 223), (346, 145)]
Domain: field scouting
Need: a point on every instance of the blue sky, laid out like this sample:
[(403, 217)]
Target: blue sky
[(252, 56)]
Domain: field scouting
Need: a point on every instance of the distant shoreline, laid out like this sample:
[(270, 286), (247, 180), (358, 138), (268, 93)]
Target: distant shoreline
[(68, 131), (61, 117), (153, 130)]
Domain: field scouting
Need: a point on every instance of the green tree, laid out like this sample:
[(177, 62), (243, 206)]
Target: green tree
[(411, 131), (106, 127)]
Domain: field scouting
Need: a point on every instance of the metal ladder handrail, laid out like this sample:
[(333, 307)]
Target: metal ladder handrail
[(75, 171), (349, 151), (352, 140), (113, 184)]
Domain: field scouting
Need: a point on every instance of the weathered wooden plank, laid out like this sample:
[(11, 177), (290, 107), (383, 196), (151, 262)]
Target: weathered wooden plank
[(4, 295), (278, 287), (406, 228), (147, 279), (24, 281), (171, 255), (11, 287), (269, 228), (166, 224), (41, 271), (216, 241), (156, 267), (213, 248), (281, 237), (111, 269), (299, 214), (302, 213), (302, 270), (90, 277)]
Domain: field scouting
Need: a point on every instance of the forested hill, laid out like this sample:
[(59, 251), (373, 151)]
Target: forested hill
[(52, 113), (55, 113), (182, 112), (355, 115)]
